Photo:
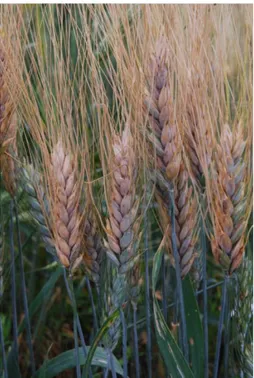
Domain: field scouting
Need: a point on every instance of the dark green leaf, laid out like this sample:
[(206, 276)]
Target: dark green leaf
[(194, 329), (42, 295), (105, 327), (174, 360), (67, 360)]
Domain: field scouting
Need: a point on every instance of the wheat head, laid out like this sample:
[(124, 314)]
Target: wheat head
[(230, 203), (121, 227), (65, 206)]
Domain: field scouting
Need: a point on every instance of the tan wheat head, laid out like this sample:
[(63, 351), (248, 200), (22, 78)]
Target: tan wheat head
[(230, 203), (65, 206), (170, 161), (123, 206)]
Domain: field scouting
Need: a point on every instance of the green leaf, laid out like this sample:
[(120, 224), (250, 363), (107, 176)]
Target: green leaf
[(42, 295), (174, 360), (105, 327), (67, 360), (12, 364), (194, 329)]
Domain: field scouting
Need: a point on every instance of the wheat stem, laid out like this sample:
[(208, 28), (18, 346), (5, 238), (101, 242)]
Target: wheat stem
[(178, 274), (164, 294), (205, 314), (147, 297), (220, 327), (135, 334), (78, 369), (226, 339), (111, 363), (3, 350), (13, 285), (124, 343), (24, 294), (76, 324), (95, 321)]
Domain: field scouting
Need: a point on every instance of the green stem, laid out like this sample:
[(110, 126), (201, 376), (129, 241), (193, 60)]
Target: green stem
[(178, 275), (24, 293), (205, 314), (220, 327)]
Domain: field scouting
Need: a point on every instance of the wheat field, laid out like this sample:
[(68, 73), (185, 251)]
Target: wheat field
[(126, 191)]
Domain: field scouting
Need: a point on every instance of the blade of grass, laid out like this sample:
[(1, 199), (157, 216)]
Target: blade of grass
[(66, 360), (125, 361), (174, 360), (3, 350), (95, 321), (194, 329), (226, 338), (105, 327), (24, 294), (135, 334), (70, 291), (13, 286), (204, 287), (147, 297), (220, 327), (164, 294)]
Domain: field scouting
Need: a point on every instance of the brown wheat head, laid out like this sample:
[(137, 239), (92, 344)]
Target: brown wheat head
[(230, 201), (65, 200)]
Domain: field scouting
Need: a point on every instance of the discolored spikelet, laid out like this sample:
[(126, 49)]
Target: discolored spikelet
[(8, 130), (197, 133), (185, 220), (123, 208), (159, 105), (94, 250), (65, 206), (169, 160), (34, 188), (230, 205)]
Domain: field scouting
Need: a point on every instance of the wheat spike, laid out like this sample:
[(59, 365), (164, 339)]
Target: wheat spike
[(185, 220), (159, 105), (241, 315), (8, 131), (94, 251), (33, 185), (197, 136), (65, 206), (230, 204), (169, 158), (121, 226)]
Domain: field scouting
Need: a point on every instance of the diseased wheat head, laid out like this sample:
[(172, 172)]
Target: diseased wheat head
[(121, 227), (34, 187), (230, 203), (186, 220), (8, 129), (94, 251), (66, 217), (159, 104), (197, 133), (170, 161)]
